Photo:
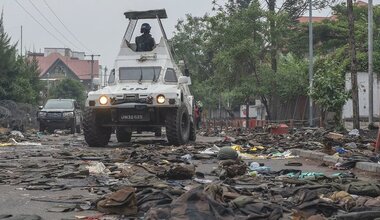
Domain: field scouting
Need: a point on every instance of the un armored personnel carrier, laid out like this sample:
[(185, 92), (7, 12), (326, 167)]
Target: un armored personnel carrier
[(146, 91)]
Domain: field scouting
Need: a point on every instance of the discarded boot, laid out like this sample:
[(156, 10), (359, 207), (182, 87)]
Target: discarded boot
[(293, 164), (121, 202)]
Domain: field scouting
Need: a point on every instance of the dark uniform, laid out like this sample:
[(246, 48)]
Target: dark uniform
[(145, 42)]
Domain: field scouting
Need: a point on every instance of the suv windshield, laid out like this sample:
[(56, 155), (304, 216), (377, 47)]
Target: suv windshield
[(59, 104), (139, 73)]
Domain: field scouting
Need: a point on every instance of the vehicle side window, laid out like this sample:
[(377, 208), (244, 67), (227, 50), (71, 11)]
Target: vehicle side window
[(170, 76), (111, 79)]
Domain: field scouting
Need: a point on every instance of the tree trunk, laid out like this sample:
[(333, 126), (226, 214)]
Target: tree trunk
[(272, 25), (354, 76), (265, 103)]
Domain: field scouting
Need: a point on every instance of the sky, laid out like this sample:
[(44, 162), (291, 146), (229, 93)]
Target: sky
[(97, 25)]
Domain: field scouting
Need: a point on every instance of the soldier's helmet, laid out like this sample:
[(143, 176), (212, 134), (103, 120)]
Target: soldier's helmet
[(145, 28), (227, 153)]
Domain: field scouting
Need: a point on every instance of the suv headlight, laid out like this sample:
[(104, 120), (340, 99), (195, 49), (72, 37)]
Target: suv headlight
[(42, 114), (160, 99), (68, 114), (103, 100)]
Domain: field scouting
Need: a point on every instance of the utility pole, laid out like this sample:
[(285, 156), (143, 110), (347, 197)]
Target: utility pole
[(21, 42), (354, 74), (92, 70), (311, 61), (105, 76), (370, 62)]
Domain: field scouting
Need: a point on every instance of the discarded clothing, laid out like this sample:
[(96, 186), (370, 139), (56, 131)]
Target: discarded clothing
[(193, 205)]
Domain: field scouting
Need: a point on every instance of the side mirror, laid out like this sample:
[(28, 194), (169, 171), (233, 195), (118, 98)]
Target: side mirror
[(40, 107), (183, 80)]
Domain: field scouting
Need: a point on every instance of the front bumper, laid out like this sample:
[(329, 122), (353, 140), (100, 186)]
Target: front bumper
[(137, 117), (56, 123)]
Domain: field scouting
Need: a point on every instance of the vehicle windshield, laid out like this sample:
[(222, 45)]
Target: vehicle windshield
[(59, 104), (139, 73)]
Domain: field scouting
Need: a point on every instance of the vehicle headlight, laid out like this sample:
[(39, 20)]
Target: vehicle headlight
[(68, 114), (160, 99), (103, 100), (42, 114)]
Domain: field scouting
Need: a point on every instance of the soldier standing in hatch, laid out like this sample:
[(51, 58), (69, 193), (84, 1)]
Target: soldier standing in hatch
[(145, 42)]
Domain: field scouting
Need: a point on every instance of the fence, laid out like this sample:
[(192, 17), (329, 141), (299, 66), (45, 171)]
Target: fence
[(294, 113), (252, 123)]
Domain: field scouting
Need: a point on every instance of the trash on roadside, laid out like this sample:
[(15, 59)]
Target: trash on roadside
[(211, 151), (285, 155), (203, 181), (187, 157), (293, 164), (279, 129), (335, 136), (237, 148), (354, 132), (351, 145), (180, 172), (13, 142), (341, 150), (254, 166), (16, 135), (98, 168)]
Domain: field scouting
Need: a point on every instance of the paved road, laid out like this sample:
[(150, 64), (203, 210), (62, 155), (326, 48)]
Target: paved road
[(15, 199)]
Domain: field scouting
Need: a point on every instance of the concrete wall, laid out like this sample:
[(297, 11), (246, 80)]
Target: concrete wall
[(363, 96)]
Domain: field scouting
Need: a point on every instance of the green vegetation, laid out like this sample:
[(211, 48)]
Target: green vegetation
[(329, 88), (248, 51), (69, 89), (18, 76)]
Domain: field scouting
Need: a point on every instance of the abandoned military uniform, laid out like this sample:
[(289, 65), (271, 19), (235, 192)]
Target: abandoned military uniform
[(145, 42)]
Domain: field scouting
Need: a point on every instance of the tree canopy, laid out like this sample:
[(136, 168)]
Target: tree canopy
[(247, 50), (69, 89), (18, 76)]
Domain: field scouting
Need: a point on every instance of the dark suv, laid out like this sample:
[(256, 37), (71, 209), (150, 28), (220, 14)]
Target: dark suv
[(60, 114)]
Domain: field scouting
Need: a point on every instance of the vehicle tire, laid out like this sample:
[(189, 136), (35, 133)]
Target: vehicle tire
[(178, 126), (50, 130), (122, 135), (95, 135), (158, 132), (42, 127), (72, 128), (193, 134), (77, 128)]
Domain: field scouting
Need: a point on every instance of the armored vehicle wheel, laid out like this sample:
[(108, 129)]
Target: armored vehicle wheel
[(122, 135), (77, 128), (193, 135), (178, 126), (95, 135)]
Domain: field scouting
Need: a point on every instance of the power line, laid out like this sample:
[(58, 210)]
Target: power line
[(56, 29), (71, 33), (51, 34)]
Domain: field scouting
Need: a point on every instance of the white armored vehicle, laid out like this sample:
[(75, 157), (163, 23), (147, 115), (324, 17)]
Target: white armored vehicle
[(146, 91)]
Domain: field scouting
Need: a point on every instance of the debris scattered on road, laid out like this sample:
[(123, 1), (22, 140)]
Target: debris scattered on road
[(229, 178)]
